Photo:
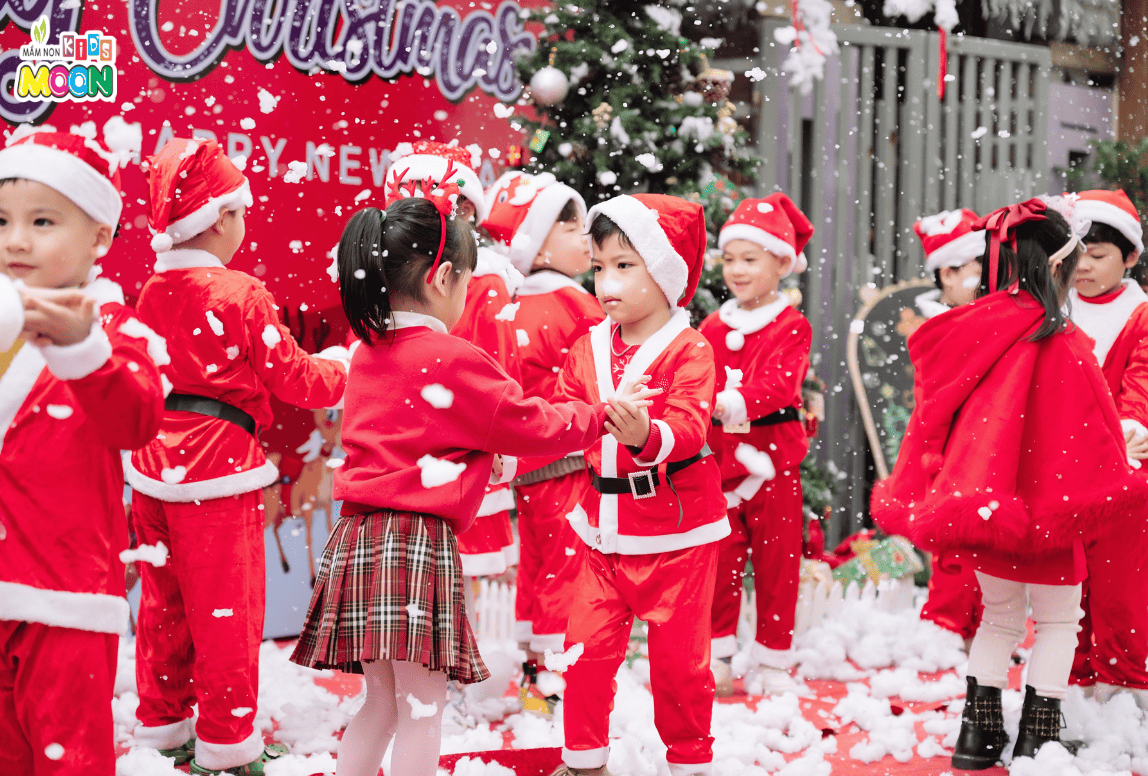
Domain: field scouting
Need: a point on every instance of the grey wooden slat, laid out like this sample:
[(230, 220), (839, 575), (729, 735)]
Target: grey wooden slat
[(1005, 145), (952, 139), (968, 168), (863, 215), (913, 152), (1040, 120), (846, 170), (796, 138), (934, 147), (885, 191), (818, 270)]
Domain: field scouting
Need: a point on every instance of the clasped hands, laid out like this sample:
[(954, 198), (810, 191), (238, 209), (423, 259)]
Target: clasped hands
[(56, 316)]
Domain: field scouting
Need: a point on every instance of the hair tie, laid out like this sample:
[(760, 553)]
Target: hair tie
[(383, 217)]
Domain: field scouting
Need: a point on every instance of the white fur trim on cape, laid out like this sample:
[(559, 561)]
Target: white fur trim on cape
[(957, 253), (733, 405), (548, 281), (501, 500), (540, 219), (723, 646), (625, 544), (930, 305), (218, 757), (185, 258), (1119, 219), (771, 243), (170, 736), (199, 220), (17, 383), (665, 447), (401, 319), (420, 166), (751, 321), (72, 362), (491, 262), (93, 612), (1104, 322), (11, 313), (217, 487), (77, 180), (640, 224)]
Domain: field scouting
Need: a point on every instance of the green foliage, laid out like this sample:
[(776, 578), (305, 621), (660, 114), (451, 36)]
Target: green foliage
[(817, 486), (1116, 164)]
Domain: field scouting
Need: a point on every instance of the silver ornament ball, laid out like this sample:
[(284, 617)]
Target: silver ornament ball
[(549, 86)]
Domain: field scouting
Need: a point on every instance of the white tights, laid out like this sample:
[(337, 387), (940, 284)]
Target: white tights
[(1056, 613), (386, 713)]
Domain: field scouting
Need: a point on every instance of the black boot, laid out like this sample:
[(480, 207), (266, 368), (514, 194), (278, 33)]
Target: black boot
[(1040, 722), (982, 739)]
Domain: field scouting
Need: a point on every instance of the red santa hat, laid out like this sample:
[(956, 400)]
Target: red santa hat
[(949, 240), (78, 167), (188, 182), (1115, 209), (774, 223), (428, 159), (669, 234), (523, 208)]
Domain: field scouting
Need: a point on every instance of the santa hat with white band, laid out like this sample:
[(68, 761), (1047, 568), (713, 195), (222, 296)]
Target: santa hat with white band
[(948, 239), (188, 182), (428, 159), (523, 209), (78, 167), (1115, 209), (775, 223), (669, 234)]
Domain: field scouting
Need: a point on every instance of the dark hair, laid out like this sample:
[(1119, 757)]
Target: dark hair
[(1028, 266), (570, 212), (378, 258), (602, 228), (937, 279), (1103, 233)]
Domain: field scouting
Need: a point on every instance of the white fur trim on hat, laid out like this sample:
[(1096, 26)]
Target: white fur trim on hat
[(540, 218), (202, 218), (957, 253), (640, 224), (77, 180), (1118, 218), (771, 243), (419, 166)]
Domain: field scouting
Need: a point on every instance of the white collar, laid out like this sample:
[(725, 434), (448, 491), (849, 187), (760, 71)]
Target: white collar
[(1104, 321), (185, 258), (491, 262), (547, 282), (750, 321), (402, 319), (930, 304)]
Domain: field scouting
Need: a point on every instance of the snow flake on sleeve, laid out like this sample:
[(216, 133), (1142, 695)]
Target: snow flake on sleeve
[(436, 472), (271, 336), (508, 312), (215, 324), (438, 396), (60, 411), (156, 345), (146, 553), (523, 337), (564, 660)]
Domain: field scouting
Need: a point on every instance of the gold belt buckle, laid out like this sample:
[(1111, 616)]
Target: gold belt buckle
[(740, 428)]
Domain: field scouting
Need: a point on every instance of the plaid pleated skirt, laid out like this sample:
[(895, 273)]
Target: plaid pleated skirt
[(389, 587)]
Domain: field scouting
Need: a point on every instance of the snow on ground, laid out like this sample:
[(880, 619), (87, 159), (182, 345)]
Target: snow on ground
[(896, 668)]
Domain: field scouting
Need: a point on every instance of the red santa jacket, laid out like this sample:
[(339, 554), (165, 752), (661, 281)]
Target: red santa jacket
[(1118, 323), (762, 356), (66, 414), (226, 342), (554, 313), (422, 404), (1014, 448), (693, 511)]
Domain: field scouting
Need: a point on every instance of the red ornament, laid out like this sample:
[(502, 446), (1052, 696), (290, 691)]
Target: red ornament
[(514, 156)]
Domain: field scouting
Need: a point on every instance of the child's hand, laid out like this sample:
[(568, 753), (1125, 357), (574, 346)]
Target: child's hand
[(1137, 446), (629, 423), (636, 393), (57, 317), (719, 411), (496, 467)]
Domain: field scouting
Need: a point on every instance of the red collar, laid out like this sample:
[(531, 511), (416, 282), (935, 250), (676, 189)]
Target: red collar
[(1105, 298)]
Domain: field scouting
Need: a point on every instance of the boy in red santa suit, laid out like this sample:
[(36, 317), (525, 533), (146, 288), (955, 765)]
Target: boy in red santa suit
[(1113, 644), (198, 484), (654, 513), (72, 395), (953, 253), (761, 351), (538, 221)]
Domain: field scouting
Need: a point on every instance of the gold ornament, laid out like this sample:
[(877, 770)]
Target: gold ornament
[(602, 115)]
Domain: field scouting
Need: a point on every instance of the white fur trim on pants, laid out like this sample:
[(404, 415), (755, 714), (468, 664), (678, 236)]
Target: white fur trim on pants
[(523, 630), (217, 487), (586, 758), (217, 757), (94, 612), (723, 646), (771, 658), (170, 736), (690, 769)]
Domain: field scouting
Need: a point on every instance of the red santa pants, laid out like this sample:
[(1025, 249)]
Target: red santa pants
[(673, 593), (1112, 645), (56, 700), (200, 625), (767, 529), (954, 599), (549, 560), (487, 547)]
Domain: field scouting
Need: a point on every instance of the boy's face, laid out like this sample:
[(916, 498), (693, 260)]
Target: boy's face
[(752, 273), (46, 240), (465, 208), (1101, 268), (959, 284), (623, 285), (566, 249)]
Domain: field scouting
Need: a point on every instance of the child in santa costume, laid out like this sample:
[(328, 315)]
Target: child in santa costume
[(985, 479), (426, 413), (198, 484), (488, 547), (70, 399), (953, 252), (538, 221), (654, 513), (1113, 643), (761, 351)]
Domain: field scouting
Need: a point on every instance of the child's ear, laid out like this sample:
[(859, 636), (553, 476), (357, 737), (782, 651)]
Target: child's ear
[(443, 278), (103, 240), (219, 226), (1130, 262)]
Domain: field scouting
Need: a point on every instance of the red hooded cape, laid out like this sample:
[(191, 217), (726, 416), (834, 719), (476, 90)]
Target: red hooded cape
[(1014, 448)]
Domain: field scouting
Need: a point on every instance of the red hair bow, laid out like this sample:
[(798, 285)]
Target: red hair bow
[(443, 195), (1001, 225)]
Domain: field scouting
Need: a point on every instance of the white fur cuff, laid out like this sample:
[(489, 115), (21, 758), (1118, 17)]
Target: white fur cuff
[(734, 411), (72, 362)]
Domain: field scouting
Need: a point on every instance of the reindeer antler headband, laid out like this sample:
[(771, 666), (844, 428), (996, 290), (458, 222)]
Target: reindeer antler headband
[(443, 195)]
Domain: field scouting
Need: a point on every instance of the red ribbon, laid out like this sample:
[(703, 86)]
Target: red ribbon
[(943, 67), (1001, 226), (441, 194)]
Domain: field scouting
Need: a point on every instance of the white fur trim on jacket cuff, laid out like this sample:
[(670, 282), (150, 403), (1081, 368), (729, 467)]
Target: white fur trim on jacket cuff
[(339, 355), (501, 500), (745, 491), (509, 470), (734, 412), (217, 487), (11, 313), (586, 758), (665, 448), (1131, 424), (94, 612), (485, 564), (170, 736), (218, 757), (72, 362)]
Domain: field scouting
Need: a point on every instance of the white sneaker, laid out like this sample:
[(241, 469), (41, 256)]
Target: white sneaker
[(764, 680), (723, 678)]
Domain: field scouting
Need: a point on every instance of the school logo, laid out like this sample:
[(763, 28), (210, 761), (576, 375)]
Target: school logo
[(80, 68)]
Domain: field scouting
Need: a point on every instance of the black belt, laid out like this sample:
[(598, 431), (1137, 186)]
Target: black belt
[(213, 408), (642, 484), (772, 419)]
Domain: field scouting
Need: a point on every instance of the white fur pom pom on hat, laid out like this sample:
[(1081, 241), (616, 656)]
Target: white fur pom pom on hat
[(161, 242)]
